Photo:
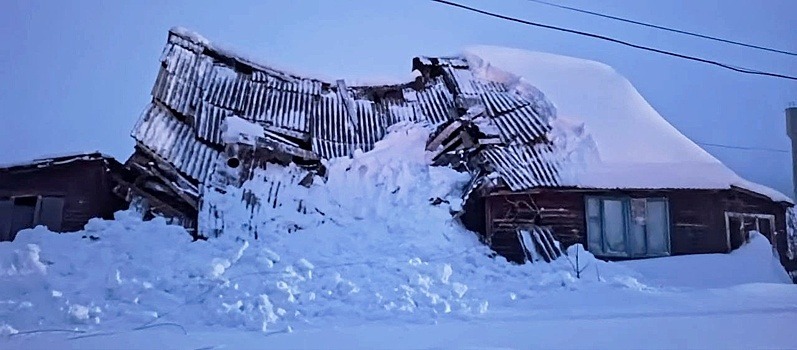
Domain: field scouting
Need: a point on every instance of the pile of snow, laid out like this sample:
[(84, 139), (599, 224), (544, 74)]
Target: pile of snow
[(635, 147), (375, 242), (754, 262), (372, 246)]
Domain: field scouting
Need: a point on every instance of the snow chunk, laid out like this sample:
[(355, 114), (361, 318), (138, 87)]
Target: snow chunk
[(25, 261), (236, 129), (6, 330)]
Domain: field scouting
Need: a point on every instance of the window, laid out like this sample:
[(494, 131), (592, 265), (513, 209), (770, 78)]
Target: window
[(739, 225), (628, 227), (22, 213), (19, 213)]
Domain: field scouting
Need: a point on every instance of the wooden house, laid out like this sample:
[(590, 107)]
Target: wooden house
[(525, 193), (61, 192)]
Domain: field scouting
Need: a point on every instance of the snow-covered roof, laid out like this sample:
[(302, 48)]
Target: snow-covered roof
[(620, 142), (633, 145)]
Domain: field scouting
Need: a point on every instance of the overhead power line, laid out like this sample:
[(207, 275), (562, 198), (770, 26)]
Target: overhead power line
[(618, 41), (775, 150), (673, 30)]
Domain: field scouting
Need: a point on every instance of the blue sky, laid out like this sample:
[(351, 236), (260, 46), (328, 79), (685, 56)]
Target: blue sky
[(74, 76)]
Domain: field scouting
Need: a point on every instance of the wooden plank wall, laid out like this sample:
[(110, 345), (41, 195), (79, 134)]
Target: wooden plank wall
[(697, 220), (85, 186)]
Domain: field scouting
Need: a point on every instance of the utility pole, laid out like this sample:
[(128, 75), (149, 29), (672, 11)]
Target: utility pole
[(791, 130)]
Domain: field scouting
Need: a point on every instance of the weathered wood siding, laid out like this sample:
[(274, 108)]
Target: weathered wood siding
[(697, 217), (85, 186), (561, 210)]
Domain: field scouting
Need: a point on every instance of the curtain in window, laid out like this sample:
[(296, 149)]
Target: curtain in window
[(614, 227), (628, 227)]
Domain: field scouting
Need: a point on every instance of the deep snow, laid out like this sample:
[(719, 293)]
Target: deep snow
[(369, 259)]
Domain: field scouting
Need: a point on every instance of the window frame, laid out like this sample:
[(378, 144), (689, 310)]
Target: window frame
[(756, 217), (628, 224)]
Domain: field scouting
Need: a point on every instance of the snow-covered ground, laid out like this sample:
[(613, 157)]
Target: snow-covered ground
[(370, 262), (145, 285)]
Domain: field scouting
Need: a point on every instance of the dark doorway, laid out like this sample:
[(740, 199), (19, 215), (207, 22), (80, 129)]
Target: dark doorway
[(6, 210), (22, 214)]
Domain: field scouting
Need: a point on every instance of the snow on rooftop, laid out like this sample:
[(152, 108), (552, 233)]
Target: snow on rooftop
[(636, 147), (237, 129), (61, 156)]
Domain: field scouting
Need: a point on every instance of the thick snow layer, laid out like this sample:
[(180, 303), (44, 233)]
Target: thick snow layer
[(635, 146), (369, 258), (236, 129), (369, 245), (753, 263)]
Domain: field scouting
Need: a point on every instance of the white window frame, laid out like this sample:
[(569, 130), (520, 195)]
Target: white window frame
[(731, 214)]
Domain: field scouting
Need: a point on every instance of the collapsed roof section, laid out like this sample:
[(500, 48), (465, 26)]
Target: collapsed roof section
[(483, 126)]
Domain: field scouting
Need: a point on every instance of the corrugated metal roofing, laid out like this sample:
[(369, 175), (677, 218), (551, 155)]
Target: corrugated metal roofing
[(523, 167), (468, 84), (522, 125), (334, 134), (280, 108), (174, 141), (436, 103), (204, 85), (526, 159)]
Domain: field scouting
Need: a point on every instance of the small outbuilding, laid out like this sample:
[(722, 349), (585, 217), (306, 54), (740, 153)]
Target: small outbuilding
[(61, 192)]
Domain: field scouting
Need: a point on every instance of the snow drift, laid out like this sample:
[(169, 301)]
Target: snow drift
[(373, 244)]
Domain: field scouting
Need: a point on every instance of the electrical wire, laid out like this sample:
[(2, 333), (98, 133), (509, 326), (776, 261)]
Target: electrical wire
[(618, 41), (744, 148), (673, 30)]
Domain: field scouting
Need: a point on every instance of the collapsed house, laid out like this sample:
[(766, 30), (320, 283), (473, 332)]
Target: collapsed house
[(60, 192), (215, 117)]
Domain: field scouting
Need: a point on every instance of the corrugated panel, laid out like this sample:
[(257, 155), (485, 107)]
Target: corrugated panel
[(189, 44), (208, 121), (523, 167), (436, 104), (497, 103), (304, 86), (221, 87), (179, 61), (175, 93), (468, 84), (284, 109), (174, 141), (522, 125), (335, 136), (397, 111)]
